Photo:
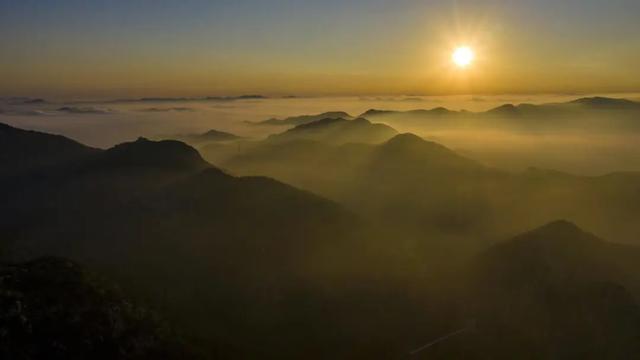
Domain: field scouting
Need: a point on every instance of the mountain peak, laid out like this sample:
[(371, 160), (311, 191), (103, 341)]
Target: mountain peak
[(559, 226), (212, 135), (145, 153), (405, 139), (410, 145), (559, 234), (374, 112), (504, 109), (550, 253), (218, 133), (440, 111)]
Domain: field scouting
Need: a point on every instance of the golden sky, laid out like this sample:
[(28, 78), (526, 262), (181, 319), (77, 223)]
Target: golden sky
[(285, 47)]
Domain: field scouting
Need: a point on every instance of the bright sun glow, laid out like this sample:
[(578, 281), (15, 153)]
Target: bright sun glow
[(463, 56)]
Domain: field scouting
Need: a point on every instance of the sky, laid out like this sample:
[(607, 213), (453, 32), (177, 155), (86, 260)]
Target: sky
[(131, 48)]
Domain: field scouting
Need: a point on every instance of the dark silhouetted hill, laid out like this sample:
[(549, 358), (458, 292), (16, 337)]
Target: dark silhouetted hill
[(554, 292), (560, 251), (204, 247), (144, 154), (23, 151)]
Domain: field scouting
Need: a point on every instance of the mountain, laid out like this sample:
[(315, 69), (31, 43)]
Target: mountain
[(211, 251), (143, 179), (587, 103), (607, 103), (561, 252), (338, 131), (594, 112), (424, 186), (408, 160), (53, 308), (144, 154), (22, 151), (405, 182), (554, 292), (207, 137), (504, 110), (249, 267), (405, 146), (215, 135), (304, 119), (419, 186)]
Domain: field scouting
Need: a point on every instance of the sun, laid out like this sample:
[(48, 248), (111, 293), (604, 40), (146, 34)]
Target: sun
[(463, 56)]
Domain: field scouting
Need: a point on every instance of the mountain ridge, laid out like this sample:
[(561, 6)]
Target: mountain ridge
[(23, 151), (337, 131), (508, 108), (303, 119)]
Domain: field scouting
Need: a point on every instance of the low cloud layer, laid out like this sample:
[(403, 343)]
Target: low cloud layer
[(504, 147)]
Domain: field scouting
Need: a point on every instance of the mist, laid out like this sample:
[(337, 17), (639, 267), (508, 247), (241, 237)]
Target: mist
[(578, 150), (310, 227)]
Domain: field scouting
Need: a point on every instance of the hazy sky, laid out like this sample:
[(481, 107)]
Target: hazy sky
[(302, 47)]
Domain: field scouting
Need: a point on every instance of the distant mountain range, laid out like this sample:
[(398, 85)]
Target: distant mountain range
[(591, 103), (581, 114), (421, 184), (304, 119)]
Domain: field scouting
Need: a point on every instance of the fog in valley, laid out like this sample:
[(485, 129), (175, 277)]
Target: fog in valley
[(252, 227), (592, 144)]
